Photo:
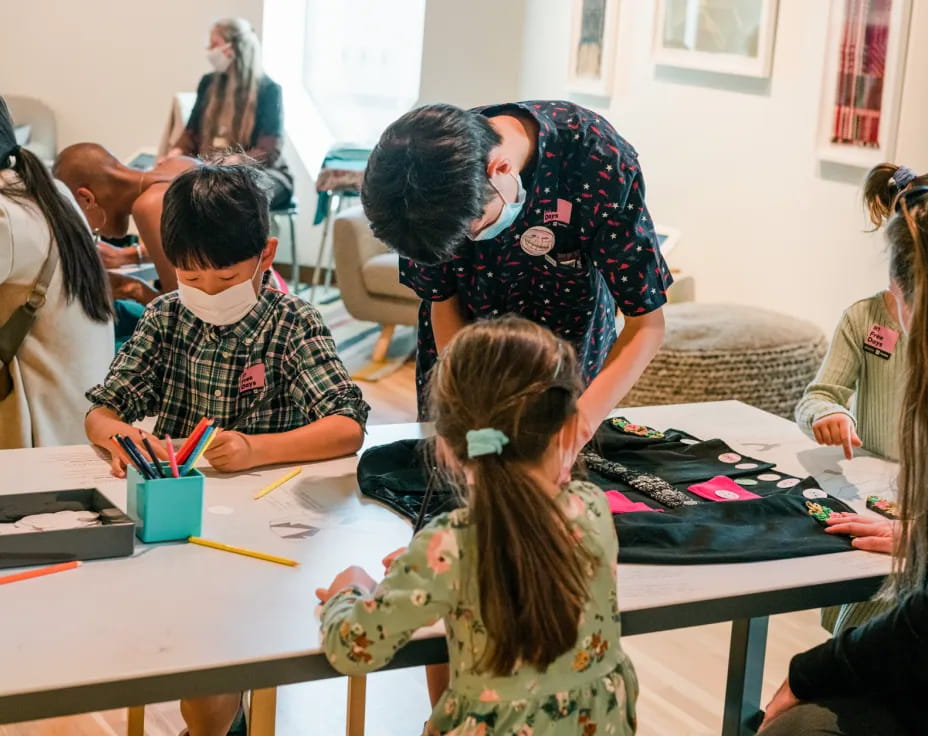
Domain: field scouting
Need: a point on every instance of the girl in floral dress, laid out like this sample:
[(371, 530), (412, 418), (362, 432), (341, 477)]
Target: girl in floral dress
[(523, 575)]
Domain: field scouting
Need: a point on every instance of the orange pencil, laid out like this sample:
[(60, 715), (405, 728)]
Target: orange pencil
[(192, 440), (39, 572)]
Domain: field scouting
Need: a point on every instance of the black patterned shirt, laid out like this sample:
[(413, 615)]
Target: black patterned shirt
[(582, 246)]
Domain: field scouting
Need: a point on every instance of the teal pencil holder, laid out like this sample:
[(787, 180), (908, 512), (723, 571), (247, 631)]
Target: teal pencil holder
[(165, 509)]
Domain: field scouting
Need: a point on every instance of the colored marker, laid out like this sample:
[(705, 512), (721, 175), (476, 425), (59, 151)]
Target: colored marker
[(39, 572), (172, 458), (243, 551), (198, 451), (277, 483), (136, 453), (136, 461), (156, 462), (191, 441)]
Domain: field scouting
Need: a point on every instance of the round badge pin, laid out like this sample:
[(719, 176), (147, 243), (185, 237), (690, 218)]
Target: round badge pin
[(727, 495), (537, 240), (788, 483), (745, 481), (730, 457), (814, 493), (768, 477), (746, 466)]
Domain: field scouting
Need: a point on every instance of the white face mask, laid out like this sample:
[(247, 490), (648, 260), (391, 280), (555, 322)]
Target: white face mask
[(217, 58), (225, 308)]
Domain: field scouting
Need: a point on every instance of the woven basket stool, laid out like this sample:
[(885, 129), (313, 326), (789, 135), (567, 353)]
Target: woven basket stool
[(716, 352)]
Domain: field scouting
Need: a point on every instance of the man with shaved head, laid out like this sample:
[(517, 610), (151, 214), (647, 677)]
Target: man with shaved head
[(109, 192)]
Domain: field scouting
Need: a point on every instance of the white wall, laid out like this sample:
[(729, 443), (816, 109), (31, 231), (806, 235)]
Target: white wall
[(472, 51), (109, 68), (732, 162)]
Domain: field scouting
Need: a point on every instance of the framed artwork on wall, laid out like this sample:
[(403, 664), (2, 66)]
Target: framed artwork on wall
[(594, 25), (722, 36), (862, 85)]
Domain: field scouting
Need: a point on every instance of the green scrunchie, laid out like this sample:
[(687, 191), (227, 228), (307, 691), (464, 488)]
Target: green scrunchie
[(485, 442)]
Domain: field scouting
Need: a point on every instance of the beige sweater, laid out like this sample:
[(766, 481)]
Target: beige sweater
[(859, 382), (64, 354)]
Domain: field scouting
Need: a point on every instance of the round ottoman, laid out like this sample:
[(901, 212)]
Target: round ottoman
[(715, 352)]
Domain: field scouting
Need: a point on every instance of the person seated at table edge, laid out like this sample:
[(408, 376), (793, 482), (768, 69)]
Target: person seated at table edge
[(109, 192)]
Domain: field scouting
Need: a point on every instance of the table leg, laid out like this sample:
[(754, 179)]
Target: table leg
[(135, 722), (745, 676), (357, 690), (263, 712)]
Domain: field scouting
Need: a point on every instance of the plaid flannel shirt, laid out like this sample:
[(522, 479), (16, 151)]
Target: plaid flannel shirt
[(180, 369)]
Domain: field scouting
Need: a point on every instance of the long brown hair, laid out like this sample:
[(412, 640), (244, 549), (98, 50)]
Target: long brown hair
[(904, 208), (244, 75), (82, 276), (533, 578)]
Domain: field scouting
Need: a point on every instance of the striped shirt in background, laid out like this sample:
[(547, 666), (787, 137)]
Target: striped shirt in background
[(860, 377)]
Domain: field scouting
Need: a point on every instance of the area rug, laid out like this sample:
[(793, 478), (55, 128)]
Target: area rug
[(354, 341)]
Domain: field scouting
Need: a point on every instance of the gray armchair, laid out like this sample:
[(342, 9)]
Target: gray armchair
[(368, 278)]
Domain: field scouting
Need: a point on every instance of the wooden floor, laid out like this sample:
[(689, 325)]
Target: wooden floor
[(682, 673)]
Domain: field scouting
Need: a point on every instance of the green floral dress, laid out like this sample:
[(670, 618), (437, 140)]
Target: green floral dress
[(590, 689)]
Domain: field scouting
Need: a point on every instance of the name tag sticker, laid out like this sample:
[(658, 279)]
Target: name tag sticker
[(881, 341), (561, 214), (252, 378)]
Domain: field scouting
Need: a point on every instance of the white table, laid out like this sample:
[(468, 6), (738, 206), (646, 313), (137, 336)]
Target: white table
[(179, 620)]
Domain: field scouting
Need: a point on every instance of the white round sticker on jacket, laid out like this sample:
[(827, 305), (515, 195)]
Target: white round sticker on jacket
[(538, 240)]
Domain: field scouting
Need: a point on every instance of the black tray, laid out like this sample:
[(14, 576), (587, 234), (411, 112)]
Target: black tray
[(115, 537)]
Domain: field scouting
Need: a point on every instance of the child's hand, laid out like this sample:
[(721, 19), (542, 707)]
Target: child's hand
[(869, 534), (351, 577), (118, 459), (391, 558), (782, 701), (230, 452), (837, 429)]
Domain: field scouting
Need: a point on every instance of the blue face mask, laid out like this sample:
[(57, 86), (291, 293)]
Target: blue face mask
[(508, 214)]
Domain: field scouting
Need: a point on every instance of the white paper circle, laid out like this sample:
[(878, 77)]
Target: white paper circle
[(814, 493)]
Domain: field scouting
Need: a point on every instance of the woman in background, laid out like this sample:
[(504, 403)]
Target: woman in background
[(238, 107), (70, 345)]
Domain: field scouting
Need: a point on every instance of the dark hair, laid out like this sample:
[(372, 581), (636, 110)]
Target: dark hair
[(533, 579), (214, 217), (882, 198), (83, 277), (426, 181)]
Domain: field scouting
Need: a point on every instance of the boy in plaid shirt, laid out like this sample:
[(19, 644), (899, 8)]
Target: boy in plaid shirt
[(223, 341), (219, 344)]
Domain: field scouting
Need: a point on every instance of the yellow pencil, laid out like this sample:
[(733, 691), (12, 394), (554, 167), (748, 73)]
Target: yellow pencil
[(209, 440), (242, 551), (278, 483)]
